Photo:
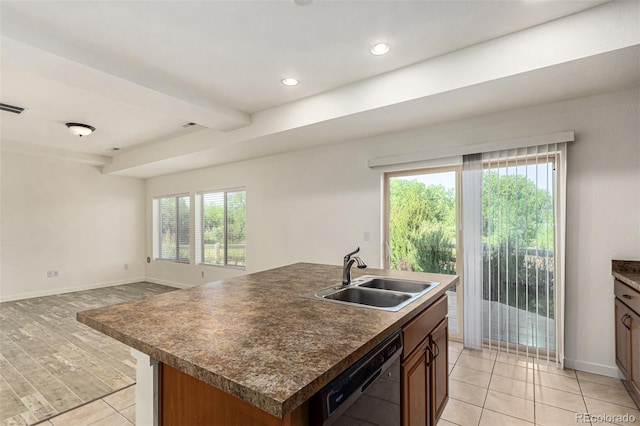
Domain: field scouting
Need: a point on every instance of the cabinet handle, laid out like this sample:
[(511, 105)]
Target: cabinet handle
[(626, 296), (430, 357), (437, 349), (622, 320)]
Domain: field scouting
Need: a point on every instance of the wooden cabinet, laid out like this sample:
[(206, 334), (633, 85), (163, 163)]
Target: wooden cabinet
[(415, 387), (439, 370), (425, 379), (623, 337), (627, 332), (185, 400), (635, 353)]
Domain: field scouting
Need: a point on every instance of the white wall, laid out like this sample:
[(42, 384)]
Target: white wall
[(68, 217), (314, 205)]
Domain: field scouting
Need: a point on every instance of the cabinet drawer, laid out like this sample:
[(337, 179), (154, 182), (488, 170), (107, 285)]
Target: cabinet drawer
[(627, 295), (418, 328)]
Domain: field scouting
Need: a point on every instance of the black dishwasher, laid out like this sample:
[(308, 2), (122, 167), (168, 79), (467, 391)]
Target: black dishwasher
[(367, 393)]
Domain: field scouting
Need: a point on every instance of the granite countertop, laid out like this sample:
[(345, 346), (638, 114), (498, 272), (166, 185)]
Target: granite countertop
[(627, 271), (254, 336)]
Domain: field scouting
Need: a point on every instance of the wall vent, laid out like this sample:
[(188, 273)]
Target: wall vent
[(11, 108)]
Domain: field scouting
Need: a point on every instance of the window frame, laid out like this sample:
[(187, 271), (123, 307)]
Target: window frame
[(157, 224), (200, 245)]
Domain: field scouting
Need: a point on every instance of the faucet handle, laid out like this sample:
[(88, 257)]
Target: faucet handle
[(348, 256)]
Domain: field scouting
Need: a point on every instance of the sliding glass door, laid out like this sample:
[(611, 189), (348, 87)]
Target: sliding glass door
[(513, 244), (422, 216), (518, 251)]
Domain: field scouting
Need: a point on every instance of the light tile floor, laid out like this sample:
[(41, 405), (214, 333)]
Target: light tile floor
[(51, 363), (487, 388)]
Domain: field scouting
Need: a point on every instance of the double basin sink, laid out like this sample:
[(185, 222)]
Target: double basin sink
[(389, 294)]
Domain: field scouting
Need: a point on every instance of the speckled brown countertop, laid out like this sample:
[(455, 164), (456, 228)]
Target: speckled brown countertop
[(627, 271), (254, 336)]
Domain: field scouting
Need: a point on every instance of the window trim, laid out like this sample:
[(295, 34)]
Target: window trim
[(157, 221), (199, 211)]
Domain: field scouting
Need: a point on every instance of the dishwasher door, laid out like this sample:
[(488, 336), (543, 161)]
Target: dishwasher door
[(368, 393)]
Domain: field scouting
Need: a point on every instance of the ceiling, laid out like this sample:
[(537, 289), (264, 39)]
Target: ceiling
[(139, 70)]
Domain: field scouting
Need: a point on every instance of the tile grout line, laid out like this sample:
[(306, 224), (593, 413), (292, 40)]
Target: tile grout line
[(115, 393), (584, 401)]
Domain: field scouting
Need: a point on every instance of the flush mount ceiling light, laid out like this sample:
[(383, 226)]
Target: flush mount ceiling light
[(380, 49), (290, 81), (80, 129)]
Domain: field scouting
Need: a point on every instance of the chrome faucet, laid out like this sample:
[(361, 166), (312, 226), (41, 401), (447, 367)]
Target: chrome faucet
[(348, 263)]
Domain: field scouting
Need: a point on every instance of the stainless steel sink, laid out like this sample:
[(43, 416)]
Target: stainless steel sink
[(361, 296), (389, 294), (396, 285)]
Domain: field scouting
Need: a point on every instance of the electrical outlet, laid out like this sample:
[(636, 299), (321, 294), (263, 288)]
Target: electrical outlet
[(53, 274), (126, 266), (201, 274), (367, 236)]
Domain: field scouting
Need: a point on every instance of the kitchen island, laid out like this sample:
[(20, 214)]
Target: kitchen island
[(255, 337)]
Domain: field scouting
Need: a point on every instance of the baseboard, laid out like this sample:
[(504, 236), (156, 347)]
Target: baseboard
[(591, 367), (165, 282), (63, 290)]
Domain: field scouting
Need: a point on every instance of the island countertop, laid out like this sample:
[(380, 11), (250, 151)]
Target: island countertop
[(627, 271), (255, 336)]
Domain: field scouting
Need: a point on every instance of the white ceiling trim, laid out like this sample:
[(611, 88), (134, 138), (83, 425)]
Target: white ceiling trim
[(597, 31), (55, 153)]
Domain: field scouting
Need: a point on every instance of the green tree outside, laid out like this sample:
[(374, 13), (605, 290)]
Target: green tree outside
[(214, 229), (422, 226)]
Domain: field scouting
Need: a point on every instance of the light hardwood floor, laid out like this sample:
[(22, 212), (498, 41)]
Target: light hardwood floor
[(50, 363)]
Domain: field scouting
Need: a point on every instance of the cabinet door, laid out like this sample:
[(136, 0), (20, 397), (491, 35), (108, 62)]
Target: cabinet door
[(439, 371), (623, 338), (634, 352), (415, 379)]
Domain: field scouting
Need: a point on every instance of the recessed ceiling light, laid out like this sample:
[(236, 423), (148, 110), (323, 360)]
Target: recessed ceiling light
[(80, 129), (379, 49), (290, 81)]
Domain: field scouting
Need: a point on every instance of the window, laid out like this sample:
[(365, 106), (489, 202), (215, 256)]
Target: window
[(421, 232), (220, 233), (171, 225)]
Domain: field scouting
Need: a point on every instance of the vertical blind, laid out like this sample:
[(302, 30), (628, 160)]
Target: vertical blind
[(173, 238), (521, 247)]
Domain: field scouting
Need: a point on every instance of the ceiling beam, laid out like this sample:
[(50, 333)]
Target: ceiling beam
[(58, 154)]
